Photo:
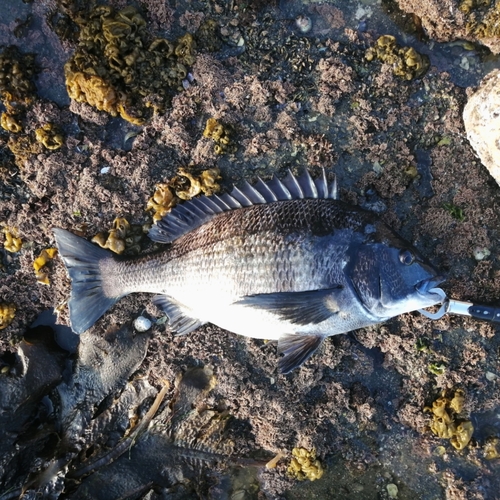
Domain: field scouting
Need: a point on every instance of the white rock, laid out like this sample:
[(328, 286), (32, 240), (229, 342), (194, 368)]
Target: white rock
[(481, 253), (482, 122), (142, 324)]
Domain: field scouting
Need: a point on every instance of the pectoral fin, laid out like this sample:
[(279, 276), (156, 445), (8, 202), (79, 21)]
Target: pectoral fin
[(296, 350), (300, 308), (180, 319)]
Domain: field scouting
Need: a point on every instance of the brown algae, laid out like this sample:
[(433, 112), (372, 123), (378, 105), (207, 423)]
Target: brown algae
[(40, 263), (162, 201), (447, 423), (406, 62), (117, 69), (49, 136), (122, 237), (492, 448), (183, 186), (13, 242), (220, 134), (7, 313), (305, 465), (187, 185)]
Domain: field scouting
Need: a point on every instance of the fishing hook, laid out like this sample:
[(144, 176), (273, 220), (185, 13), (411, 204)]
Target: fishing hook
[(463, 308)]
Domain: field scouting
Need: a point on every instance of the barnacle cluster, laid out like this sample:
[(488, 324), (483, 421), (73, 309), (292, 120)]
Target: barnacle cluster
[(117, 69), (272, 48), (40, 263), (305, 465), (220, 134), (406, 62), (446, 422), (49, 136), (183, 186), (123, 236), (7, 313), (13, 242)]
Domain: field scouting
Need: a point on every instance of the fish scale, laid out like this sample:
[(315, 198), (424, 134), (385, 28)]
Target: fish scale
[(282, 260), (257, 248)]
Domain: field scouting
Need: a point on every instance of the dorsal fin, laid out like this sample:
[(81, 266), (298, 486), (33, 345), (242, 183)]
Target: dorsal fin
[(193, 213)]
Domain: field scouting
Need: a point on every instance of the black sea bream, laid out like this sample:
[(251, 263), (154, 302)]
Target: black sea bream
[(282, 260)]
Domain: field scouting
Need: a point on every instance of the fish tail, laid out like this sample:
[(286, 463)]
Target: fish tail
[(88, 300)]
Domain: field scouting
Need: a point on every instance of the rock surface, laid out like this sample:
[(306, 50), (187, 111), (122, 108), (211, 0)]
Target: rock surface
[(482, 122), (447, 20)]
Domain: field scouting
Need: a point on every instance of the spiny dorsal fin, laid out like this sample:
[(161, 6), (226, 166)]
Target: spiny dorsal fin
[(193, 213)]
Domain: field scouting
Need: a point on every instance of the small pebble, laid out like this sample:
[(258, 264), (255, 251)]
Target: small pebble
[(464, 63), (392, 490), (481, 253), (142, 324), (303, 23)]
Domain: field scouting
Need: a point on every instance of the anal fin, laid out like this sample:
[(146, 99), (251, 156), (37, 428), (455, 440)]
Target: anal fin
[(297, 349), (180, 319)]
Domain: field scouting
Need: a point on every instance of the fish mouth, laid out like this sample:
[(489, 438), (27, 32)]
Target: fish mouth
[(429, 287)]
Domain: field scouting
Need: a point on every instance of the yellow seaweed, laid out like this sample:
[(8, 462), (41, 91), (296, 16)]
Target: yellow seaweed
[(9, 122), (162, 201), (220, 134), (7, 313), (492, 448), (122, 236), (305, 465), (446, 422), (183, 186), (13, 242), (40, 262), (406, 62), (117, 69), (49, 136)]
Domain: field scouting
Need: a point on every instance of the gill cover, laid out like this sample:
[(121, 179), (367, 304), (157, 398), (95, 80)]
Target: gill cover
[(388, 279)]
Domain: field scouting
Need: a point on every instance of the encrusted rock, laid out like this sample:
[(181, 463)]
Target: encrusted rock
[(446, 20), (482, 122)]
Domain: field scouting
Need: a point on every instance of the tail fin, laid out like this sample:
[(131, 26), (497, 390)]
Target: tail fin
[(87, 302)]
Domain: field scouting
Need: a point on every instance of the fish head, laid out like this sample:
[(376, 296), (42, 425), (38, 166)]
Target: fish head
[(392, 278)]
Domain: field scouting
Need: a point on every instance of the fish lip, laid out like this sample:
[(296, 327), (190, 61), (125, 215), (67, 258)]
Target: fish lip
[(427, 286)]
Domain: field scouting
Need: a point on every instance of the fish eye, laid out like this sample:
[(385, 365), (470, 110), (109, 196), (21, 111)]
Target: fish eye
[(406, 257)]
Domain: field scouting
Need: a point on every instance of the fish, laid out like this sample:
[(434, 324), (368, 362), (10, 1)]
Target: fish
[(282, 260)]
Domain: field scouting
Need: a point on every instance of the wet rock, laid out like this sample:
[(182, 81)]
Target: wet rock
[(482, 123)]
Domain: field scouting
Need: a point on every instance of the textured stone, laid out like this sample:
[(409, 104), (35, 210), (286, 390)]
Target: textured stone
[(482, 122)]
